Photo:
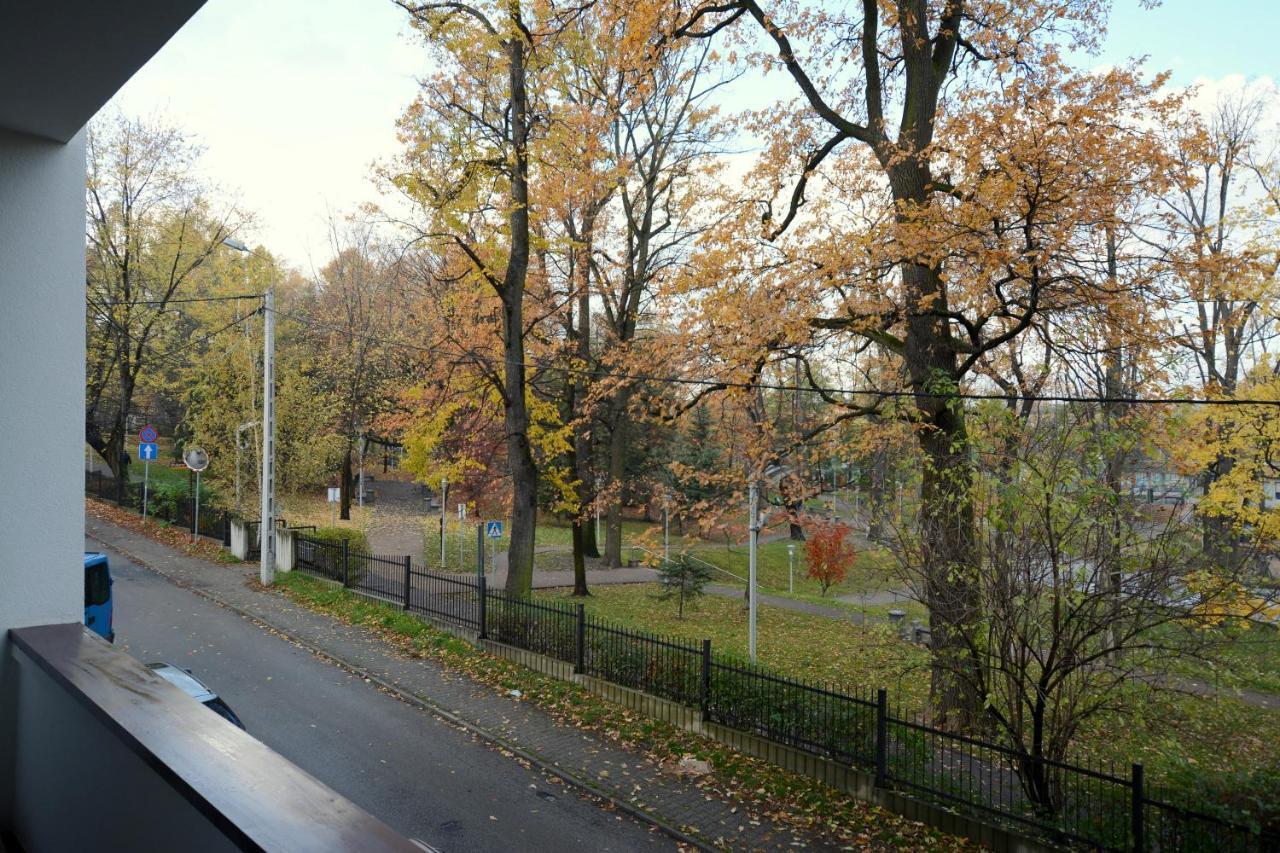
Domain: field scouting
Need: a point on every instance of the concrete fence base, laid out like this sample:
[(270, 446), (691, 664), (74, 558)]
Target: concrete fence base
[(286, 549), (240, 539)]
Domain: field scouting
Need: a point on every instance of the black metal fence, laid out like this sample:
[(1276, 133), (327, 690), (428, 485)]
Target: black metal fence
[(1064, 803), (213, 523)]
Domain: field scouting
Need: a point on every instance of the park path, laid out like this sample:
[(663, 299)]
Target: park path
[(396, 517)]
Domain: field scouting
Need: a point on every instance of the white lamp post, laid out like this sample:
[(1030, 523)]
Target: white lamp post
[(791, 567)]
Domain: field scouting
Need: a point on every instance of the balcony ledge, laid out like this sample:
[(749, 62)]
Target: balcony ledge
[(253, 797)]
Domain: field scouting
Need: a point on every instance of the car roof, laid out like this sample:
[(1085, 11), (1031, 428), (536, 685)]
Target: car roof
[(183, 680)]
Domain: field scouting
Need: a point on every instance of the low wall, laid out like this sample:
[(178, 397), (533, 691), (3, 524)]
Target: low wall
[(240, 536), (286, 549)]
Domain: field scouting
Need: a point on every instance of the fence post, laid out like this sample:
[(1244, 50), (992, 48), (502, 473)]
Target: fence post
[(484, 595), (226, 530), (408, 578), (705, 692), (580, 642), (346, 556), (882, 738), (1138, 812)]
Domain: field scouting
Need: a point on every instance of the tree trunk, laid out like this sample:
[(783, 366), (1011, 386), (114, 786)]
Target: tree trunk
[(877, 489), (617, 470), (524, 475), (948, 549), (582, 455), (344, 508), (579, 564)]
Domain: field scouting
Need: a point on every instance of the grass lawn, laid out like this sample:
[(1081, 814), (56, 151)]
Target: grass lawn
[(1248, 659), (312, 508), (872, 570), (814, 648), (1217, 745)]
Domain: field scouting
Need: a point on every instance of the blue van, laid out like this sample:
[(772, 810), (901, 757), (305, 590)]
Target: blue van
[(97, 595)]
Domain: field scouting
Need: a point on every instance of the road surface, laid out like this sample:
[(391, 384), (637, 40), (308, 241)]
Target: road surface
[(422, 776)]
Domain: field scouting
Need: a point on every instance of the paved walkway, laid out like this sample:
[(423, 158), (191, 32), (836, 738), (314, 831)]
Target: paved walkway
[(396, 514), (581, 757)]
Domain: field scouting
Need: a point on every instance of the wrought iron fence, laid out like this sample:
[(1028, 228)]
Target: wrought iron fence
[(213, 523), (664, 666), (1065, 803)]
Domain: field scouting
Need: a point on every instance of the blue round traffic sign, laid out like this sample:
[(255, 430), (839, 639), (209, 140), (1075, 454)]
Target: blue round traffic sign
[(148, 435)]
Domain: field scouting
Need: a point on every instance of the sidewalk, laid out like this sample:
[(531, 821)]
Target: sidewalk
[(591, 762)]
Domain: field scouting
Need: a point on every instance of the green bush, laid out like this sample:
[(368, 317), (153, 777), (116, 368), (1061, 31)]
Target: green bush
[(355, 538), (325, 558)]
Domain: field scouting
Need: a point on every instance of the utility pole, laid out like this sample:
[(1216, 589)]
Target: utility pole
[(752, 606), (267, 568)]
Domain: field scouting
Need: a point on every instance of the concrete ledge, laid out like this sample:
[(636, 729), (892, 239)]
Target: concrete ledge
[(531, 660), (651, 706)]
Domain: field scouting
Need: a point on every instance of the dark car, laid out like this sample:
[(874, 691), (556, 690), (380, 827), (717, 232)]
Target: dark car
[(193, 687)]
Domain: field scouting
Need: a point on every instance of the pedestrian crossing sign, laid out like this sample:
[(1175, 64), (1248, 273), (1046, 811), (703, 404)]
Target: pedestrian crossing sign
[(493, 529)]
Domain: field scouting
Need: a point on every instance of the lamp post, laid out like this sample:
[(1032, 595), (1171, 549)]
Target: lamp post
[(666, 529), (753, 525), (267, 564), (791, 568), (444, 510)]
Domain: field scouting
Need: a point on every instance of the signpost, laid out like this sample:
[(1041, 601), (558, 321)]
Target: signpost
[(462, 519), (148, 451), (335, 495), (493, 529), (197, 460)]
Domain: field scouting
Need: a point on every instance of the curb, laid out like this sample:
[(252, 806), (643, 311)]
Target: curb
[(426, 704)]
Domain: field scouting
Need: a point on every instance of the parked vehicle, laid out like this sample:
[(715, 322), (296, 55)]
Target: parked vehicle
[(97, 595), (193, 687)]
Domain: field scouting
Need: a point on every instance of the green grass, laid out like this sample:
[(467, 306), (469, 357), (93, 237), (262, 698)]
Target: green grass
[(1245, 658), (872, 571), (800, 645)]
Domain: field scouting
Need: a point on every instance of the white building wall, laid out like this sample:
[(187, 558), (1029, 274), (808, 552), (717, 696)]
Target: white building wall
[(42, 351)]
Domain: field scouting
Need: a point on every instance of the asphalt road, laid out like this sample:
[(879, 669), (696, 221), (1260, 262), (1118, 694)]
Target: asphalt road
[(422, 776)]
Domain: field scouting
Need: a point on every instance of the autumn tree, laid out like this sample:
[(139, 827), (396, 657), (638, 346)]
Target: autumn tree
[(467, 167), (1225, 260), (150, 225), (662, 139), (988, 156), (351, 313), (829, 554)]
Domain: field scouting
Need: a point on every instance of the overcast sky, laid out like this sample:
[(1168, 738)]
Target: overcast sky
[(293, 100)]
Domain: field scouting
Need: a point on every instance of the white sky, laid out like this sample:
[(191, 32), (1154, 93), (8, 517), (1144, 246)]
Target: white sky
[(294, 100)]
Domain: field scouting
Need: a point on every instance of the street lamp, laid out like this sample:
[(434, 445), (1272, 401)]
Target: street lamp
[(666, 528), (267, 562), (791, 567), (755, 521)]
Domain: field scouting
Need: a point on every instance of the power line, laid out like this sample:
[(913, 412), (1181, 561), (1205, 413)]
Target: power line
[(768, 386), (187, 299)]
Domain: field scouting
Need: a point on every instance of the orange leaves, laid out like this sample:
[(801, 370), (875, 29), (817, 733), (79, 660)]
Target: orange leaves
[(828, 553)]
